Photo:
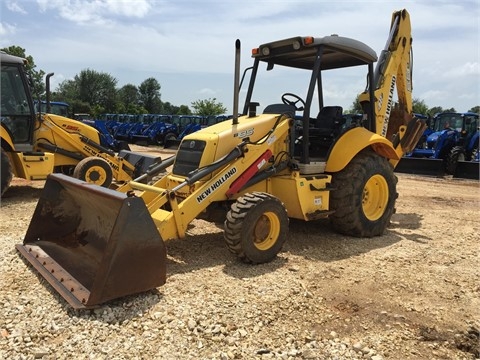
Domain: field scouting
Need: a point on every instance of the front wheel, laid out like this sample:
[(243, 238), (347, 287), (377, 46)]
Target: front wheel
[(364, 197), (94, 170), (453, 157), (256, 227), (169, 140), (5, 172)]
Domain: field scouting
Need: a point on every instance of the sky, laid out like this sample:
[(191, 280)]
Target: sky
[(188, 46)]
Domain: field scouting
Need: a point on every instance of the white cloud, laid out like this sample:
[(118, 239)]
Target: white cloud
[(6, 29), (127, 8), (207, 92), (467, 69), (96, 11), (14, 6)]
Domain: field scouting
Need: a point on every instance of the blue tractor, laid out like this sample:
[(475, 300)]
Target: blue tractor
[(189, 124), (157, 131), (444, 134), (106, 137), (451, 139), (56, 107), (466, 148)]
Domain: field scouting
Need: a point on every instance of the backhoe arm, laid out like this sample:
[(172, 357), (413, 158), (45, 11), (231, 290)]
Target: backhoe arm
[(394, 70)]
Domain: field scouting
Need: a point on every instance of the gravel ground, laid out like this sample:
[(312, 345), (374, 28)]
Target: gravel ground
[(410, 294)]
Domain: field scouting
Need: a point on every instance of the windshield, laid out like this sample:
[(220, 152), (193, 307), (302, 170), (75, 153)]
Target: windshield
[(449, 121), (340, 87), (15, 110), (56, 108)]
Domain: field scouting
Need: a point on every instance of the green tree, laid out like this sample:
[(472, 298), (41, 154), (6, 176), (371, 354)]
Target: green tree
[(356, 108), (68, 91), (183, 110), (89, 92), (208, 107), (96, 88), (37, 75), (419, 106), (149, 96), (128, 100), (435, 110), (475, 109)]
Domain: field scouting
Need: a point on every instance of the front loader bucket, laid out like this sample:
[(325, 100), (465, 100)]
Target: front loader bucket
[(93, 244), (421, 166), (468, 170)]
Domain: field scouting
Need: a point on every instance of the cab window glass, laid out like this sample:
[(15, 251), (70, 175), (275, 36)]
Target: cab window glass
[(14, 108)]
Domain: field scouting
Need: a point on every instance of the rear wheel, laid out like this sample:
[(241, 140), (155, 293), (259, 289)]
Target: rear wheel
[(364, 196), (94, 170), (256, 227), (5, 171)]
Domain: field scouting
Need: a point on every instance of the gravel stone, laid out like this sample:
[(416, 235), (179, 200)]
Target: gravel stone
[(409, 294)]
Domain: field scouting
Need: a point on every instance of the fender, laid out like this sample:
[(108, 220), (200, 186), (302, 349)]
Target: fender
[(354, 141), (6, 137)]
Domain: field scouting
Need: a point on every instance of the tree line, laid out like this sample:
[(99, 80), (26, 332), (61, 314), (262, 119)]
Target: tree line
[(97, 93), (418, 107)]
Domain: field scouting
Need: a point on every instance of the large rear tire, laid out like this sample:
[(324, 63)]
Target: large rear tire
[(94, 170), (5, 172), (256, 227), (364, 196)]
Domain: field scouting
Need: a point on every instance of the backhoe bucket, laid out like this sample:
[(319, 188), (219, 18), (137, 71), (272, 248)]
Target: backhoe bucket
[(93, 244)]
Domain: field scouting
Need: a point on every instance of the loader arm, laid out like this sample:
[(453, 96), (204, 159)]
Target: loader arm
[(394, 70), (74, 140), (233, 171)]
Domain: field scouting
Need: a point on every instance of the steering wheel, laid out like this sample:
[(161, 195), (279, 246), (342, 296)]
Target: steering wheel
[(297, 99)]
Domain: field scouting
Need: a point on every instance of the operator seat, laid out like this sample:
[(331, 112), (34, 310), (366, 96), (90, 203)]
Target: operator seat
[(329, 121)]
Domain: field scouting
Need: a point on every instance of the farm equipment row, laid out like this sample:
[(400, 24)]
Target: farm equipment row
[(155, 129)]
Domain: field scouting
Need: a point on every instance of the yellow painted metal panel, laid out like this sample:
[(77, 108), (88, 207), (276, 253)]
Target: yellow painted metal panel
[(352, 142)]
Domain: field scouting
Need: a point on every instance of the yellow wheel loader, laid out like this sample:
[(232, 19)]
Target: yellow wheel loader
[(34, 145), (254, 172)]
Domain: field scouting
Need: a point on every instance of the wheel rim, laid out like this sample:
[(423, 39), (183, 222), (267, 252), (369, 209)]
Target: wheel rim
[(96, 175), (266, 231), (375, 197)]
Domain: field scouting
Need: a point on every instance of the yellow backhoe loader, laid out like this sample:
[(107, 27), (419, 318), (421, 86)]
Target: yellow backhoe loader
[(34, 145), (258, 170)]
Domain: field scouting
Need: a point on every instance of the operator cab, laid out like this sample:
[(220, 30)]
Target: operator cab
[(314, 132), (16, 112)]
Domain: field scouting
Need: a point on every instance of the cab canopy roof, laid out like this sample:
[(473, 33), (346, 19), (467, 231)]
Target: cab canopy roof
[(7, 58), (301, 51)]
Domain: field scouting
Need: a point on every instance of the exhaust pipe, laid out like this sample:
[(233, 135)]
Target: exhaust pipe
[(47, 91), (236, 86)]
